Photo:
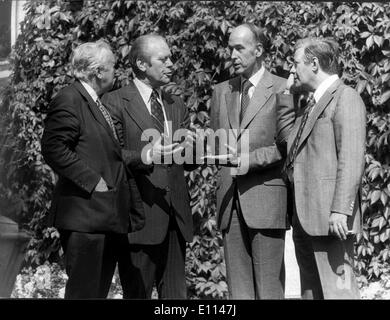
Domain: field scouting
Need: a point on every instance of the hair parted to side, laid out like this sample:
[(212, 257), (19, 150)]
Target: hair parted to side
[(90, 57), (326, 50), (139, 49)]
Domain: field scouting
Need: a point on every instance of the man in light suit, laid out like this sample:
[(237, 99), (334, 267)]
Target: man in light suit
[(251, 206), (157, 251), (325, 163), (92, 205)]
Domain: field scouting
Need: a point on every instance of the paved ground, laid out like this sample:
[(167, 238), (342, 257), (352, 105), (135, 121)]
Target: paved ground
[(293, 287)]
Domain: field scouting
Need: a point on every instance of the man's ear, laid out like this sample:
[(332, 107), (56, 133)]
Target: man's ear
[(141, 65), (99, 74), (315, 65), (259, 50)]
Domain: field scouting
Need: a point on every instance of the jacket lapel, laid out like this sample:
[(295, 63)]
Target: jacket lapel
[(136, 108), (294, 131), (261, 95), (232, 99), (94, 109), (318, 109)]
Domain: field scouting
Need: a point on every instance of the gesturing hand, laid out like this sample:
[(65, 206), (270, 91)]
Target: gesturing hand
[(228, 160), (158, 150)]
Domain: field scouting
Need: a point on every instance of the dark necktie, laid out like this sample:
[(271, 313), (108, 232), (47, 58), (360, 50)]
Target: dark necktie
[(156, 111), (107, 116), (294, 148), (245, 99)]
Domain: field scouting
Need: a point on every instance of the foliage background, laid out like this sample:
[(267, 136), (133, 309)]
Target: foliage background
[(197, 33)]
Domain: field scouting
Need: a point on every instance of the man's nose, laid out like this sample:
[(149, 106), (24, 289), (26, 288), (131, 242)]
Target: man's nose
[(169, 63), (293, 70), (233, 54)]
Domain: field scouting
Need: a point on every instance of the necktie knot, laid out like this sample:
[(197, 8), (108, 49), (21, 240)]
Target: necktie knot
[(154, 96), (246, 85), (310, 103)]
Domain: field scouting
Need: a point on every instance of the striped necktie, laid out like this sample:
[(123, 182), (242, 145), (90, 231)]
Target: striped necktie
[(245, 99), (156, 111), (294, 148), (107, 117)]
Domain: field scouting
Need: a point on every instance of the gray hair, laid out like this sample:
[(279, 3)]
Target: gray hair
[(89, 58), (324, 49)]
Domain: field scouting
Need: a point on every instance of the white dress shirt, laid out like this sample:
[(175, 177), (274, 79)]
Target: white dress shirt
[(90, 90), (254, 80), (324, 86)]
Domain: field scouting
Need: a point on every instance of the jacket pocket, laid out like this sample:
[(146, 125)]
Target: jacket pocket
[(275, 182), (104, 203)]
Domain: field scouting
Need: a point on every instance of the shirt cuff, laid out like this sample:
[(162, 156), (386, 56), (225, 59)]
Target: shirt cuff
[(149, 159)]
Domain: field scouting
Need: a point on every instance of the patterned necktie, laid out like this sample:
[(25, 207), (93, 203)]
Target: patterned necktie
[(107, 116), (245, 97), (294, 148), (156, 111)]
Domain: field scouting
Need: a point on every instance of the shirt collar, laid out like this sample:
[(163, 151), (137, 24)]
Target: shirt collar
[(319, 92), (145, 90), (90, 90), (255, 79)]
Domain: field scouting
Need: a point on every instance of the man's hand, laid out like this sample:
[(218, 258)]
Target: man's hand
[(190, 139), (228, 160), (158, 150), (338, 225), (101, 186)]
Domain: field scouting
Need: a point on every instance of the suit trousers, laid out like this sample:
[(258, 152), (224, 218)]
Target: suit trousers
[(90, 261), (325, 265), (160, 264), (254, 259)]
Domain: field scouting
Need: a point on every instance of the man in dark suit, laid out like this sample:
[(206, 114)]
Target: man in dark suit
[(251, 202), (324, 165), (158, 250), (91, 202)]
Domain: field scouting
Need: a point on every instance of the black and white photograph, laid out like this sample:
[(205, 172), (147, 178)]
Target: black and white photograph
[(202, 151)]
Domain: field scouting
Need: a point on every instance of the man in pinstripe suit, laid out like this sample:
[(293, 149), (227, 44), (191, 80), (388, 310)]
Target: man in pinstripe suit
[(158, 250)]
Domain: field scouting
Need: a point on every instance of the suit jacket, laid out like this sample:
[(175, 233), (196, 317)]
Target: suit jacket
[(261, 191), (163, 188), (79, 146), (330, 160)]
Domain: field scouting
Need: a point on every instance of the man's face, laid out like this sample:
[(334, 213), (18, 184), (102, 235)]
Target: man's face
[(107, 74), (244, 51), (303, 74), (158, 69)]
